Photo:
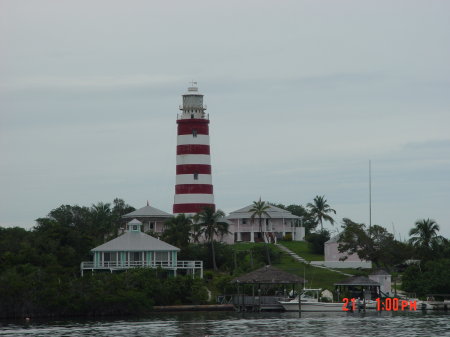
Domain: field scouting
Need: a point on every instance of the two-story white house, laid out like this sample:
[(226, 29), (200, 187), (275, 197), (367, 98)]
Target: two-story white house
[(277, 225)]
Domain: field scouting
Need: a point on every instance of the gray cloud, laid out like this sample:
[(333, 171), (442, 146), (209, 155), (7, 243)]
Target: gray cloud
[(300, 94)]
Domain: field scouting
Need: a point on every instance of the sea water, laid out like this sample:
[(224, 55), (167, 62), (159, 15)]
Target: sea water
[(201, 324)]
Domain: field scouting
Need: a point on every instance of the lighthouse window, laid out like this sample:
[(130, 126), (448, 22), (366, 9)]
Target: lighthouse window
[(194, 133), (195, 176)]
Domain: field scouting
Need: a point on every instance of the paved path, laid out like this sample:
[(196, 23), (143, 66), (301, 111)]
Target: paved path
[(301, 259)]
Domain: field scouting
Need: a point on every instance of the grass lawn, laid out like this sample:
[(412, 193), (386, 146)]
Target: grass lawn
[(316, 277), (246, 245), (302, 248)]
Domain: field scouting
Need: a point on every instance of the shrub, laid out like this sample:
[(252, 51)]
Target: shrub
[(287, 237), (317, 240)]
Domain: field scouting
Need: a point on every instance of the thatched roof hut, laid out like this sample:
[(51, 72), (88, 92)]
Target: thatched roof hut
[(269, 275)]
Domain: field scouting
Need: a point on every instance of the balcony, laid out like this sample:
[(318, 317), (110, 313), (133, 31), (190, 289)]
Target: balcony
[(122, 265)]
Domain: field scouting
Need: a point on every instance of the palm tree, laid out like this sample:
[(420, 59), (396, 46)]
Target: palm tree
[(211, 225), (320, 209), (178, 231), (102, 219), (259, 210), (424, 233)]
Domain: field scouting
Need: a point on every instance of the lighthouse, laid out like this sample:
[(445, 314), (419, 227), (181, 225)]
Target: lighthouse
[(193, 187)]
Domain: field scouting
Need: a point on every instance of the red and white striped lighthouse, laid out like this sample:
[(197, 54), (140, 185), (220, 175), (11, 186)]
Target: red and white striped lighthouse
[(193, 189)]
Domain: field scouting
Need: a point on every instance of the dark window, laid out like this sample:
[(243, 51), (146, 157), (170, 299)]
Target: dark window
[(244, 221), (135, 256), (195, 176), (192, 115), (194, 132), (152, 225)]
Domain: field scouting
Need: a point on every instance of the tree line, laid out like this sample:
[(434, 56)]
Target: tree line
[(40, 269), (423, 261)]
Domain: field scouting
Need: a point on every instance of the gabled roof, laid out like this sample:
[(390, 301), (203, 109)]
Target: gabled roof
[(268, 275), (273, 211), (147, 211), (135, 222), (134, 241)]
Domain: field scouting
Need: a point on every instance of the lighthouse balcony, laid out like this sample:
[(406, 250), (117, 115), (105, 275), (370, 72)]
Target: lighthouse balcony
[(186, 114), (189, 108)]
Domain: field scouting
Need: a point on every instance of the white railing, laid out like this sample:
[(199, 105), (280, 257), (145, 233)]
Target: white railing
[(136, 264), (189, 264)]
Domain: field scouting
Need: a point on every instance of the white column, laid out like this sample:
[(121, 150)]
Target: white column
[(238, 238)]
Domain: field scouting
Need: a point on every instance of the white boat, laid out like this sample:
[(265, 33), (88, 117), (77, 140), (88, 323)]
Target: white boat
[(310, 302)]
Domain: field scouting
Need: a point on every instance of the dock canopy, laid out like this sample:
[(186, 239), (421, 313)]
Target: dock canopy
[(264, 279), (358, 281), (358, 287), (269, 275)]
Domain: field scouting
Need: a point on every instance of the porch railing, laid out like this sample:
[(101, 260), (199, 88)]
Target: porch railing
[(136, 264)]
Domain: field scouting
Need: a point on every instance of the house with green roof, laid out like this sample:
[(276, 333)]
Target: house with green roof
[(135, 249)]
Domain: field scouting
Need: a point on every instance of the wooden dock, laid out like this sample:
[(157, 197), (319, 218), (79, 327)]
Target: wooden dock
[(200, 307), (258, 303)]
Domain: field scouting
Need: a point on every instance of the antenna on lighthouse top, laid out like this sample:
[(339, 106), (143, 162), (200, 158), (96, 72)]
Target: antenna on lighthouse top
[(193, 86)]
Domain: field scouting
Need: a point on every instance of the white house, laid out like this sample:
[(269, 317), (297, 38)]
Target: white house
[(152, 219), (135, 249), (333, 257), (279, 223), (384, 279)]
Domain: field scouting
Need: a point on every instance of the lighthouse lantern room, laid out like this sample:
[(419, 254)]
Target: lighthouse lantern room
[(193, 189)]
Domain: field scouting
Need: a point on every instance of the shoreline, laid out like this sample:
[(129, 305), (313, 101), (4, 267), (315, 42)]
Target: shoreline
[(194, 307)]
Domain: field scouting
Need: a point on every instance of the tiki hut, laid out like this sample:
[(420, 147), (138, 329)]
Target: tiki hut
[(264, 276), (269, 275)]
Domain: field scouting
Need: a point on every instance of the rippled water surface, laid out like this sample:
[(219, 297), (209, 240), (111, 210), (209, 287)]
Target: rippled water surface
[(244, 324)]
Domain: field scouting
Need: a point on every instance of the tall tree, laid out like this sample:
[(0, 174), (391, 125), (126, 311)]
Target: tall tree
[(102, 219), (374, 244), (212, 226), (424, 237), (119, 208), (320, 209), (259, 210), (178, 231)]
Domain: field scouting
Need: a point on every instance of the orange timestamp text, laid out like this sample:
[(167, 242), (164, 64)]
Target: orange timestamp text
[(386, 304)]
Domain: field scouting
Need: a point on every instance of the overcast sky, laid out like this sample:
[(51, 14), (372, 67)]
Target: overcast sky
[(301, 95)]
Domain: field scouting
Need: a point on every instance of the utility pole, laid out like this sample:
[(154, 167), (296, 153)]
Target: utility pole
[(370, 196)]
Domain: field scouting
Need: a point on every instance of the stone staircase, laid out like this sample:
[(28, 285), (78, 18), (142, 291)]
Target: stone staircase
[(302, 260)]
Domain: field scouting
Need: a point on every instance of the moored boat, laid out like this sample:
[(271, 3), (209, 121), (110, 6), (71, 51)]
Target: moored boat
[(310, 302)]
